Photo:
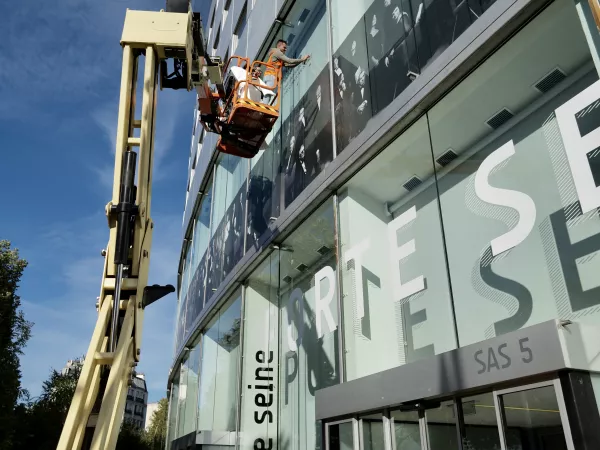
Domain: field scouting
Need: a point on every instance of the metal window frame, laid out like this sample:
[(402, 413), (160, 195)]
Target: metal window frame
[(240, 371), (501, 418), (328, 12), (356, 436), (339, 289)]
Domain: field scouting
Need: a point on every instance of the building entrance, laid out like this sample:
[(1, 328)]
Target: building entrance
[(530, 417)]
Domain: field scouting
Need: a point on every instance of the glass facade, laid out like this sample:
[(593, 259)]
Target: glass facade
[(479, 219)]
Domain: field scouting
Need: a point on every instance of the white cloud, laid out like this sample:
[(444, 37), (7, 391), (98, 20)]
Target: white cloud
[(171, 108)]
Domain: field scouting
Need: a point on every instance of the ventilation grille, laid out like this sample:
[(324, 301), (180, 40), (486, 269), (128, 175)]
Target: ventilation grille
[(301, 268), (550, 80), (303, 16), (412, 183), (323, 250), (499, 119), (287, 279), (446, 158)]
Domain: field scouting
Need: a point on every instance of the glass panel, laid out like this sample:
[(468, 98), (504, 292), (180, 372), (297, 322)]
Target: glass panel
[(520, 247), (441, 427), (180, 322), (406, 430), (309, 318), (218, 378), (191, 401), (533, 417), (397, 306), (264, 190), (372, 432), (300, 144), (261, 356), (182, 398), (306, 121), (217, 227), (189, 301), (173, 408), (481, 425), (381, 46), (208, 369), (201, 239), (228, 355), (233, 233), (341, 436)]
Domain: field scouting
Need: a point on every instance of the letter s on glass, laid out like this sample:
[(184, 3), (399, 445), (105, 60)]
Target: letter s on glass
[(481, 363), (505, 197)]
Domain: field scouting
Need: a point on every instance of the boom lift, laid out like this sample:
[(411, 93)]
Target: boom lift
[(239, 114)]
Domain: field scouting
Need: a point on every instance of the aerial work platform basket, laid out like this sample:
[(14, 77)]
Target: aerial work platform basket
[(249, 107)]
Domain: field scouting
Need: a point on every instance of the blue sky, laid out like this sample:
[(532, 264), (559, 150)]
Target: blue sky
[(60, 68)]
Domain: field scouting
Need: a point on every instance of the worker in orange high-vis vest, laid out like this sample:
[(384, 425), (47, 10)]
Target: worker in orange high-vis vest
[(278, 59)]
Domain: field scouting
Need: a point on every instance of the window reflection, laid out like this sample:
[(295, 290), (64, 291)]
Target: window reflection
[(174, 407), (406, 430), (261, 357), (380, 47), (300, 145), (481, 424), (341, 436), (534, 418), (372, 432), (441, 427), (397, 306), (308, 313), (217, 398)]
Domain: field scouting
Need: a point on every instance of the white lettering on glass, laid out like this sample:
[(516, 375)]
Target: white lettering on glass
[(355, 253), (323, 302), (577, 147), (296, 297), (398, 253), (505, 197)]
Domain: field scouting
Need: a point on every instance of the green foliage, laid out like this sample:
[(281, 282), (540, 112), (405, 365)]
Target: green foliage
[(15, 331), (40, 421), (131, 438), (157, 432)]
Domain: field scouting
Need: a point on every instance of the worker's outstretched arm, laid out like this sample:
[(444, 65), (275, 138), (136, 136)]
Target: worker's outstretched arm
[(288, 62)]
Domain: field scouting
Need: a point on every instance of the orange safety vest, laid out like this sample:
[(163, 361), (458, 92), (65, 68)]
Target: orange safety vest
[(277, 64)]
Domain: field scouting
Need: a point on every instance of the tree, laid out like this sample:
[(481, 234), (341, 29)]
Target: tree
[(41, 420), (157, 432), (15, 331), (131, 438)]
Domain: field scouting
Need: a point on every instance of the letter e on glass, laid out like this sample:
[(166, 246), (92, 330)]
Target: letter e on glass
[(398, 253), (577, 147)]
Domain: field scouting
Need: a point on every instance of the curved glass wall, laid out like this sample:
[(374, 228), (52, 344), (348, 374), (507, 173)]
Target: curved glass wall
[(480, 219), (379, 48)]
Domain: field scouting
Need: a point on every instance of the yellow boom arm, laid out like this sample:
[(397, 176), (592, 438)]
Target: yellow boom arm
[(96, 411)]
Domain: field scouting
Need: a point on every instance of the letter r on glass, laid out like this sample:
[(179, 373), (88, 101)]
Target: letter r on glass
[(355, 253)]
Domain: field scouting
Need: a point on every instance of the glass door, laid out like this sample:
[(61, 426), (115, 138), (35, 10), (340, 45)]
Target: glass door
[(342, 435), (533, 417)]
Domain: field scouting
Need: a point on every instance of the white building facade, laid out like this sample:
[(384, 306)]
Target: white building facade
[(137, 401)]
